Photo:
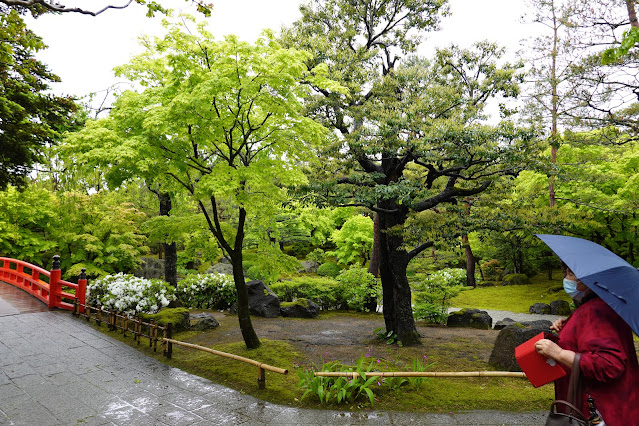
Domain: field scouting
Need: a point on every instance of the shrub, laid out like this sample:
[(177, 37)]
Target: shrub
[(323, 291), (358, 286), (207, 291), (492, 270), (434, 292), (328, 269), (130, 294), (318, 255), (256, 273)]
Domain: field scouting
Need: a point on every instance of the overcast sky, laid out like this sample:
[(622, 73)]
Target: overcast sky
[(83, 49)]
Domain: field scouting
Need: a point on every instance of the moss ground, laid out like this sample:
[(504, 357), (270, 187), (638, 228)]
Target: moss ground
[(514, 298)]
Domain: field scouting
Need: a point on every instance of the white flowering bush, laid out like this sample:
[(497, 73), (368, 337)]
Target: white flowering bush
[(432, 293), (447, 277), (126, 293), (207, 291)]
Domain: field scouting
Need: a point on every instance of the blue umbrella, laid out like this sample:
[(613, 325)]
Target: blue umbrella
[(612, 278)]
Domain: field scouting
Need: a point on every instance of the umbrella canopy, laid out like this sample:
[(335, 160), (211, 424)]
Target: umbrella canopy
[(608, 275)]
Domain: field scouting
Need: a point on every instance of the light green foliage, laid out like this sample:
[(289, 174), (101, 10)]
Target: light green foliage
[(206, 291), (358, 286), (328, 269), (318, 255), (268, 263), (340, 390), (434, 292), (27, 220), (129, 294), (354, 240), (614, 54), (323, 291), (100, 232)]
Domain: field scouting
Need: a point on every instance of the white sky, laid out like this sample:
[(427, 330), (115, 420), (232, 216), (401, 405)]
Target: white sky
[(83, 49)]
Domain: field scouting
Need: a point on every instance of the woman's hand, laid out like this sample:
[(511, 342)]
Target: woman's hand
[(558, 325), (550, 349)]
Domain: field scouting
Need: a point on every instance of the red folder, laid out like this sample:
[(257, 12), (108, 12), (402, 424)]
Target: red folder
[(539, 369)]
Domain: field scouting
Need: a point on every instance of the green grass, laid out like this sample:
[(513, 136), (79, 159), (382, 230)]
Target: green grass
[(432, 395), (515, 298)]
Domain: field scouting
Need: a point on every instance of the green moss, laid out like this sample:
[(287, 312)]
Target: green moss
[(168, 315), (299, 302), (514, 298)]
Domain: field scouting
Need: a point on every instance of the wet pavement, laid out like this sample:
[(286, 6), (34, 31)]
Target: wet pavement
[(57, 370)]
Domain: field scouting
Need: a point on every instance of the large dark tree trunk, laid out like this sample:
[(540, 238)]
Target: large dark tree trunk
[(243, 313), (470, 262), (398, 310), (170, 249), (373, 266)]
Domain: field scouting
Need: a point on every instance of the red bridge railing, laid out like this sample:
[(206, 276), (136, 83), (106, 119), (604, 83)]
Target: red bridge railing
[(42, 284)]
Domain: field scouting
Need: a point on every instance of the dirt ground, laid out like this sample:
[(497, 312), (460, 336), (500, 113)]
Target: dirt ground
[(346, 337)]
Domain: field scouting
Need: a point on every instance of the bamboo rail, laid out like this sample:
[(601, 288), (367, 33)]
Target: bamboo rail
[(261, 367), (354, 374)]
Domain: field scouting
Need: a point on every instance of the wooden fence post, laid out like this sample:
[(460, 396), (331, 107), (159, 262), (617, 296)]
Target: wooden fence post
[(54, 282), (261, 378), (168, 333), (81, 294)]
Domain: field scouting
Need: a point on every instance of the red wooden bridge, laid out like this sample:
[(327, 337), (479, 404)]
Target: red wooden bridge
[(46, 286)]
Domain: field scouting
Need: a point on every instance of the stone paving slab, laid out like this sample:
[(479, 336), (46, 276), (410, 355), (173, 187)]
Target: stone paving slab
[(57, 370)]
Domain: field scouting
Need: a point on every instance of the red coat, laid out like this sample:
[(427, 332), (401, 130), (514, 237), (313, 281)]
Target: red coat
[(609, 368)]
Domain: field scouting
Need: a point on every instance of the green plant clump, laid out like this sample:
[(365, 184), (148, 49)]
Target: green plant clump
[(358, 286), (207, 291), (326, 292), (328, 269)]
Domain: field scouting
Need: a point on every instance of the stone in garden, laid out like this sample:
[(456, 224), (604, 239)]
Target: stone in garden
[(150, 267), (503, 354), (540, 308), (179, 317), (262, 301), (309, 266), (205, 321), (559, 307), (500, 325), (220, 268), (301, 308), (473, 318)]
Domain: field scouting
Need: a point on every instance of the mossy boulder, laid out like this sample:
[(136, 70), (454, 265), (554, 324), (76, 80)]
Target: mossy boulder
[(179, 317), (300, 308), (515, 279), (503, 355), (560, 307), (473, 318), (540, 309)]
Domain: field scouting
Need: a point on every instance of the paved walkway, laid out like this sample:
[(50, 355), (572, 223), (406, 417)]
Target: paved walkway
[(56, 370)]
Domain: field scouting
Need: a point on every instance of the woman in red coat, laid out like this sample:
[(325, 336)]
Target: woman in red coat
[(609, 369)]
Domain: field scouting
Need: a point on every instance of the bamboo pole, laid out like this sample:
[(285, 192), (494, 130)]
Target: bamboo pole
[(232, 356), (354, 374)]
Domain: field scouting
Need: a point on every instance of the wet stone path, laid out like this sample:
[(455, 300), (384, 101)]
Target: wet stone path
[(56, 370)]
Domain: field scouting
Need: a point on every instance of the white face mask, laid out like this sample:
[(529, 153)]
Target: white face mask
[(570, 287)]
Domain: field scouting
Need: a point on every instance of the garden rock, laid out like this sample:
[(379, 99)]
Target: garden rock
[(220, 268), (309, 266), (511, 336), (301, 308), (262, 301), (204, 322), (150, 267), (559, 307), (500, 325), (540, 308), (179, 317), (473, 318)]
